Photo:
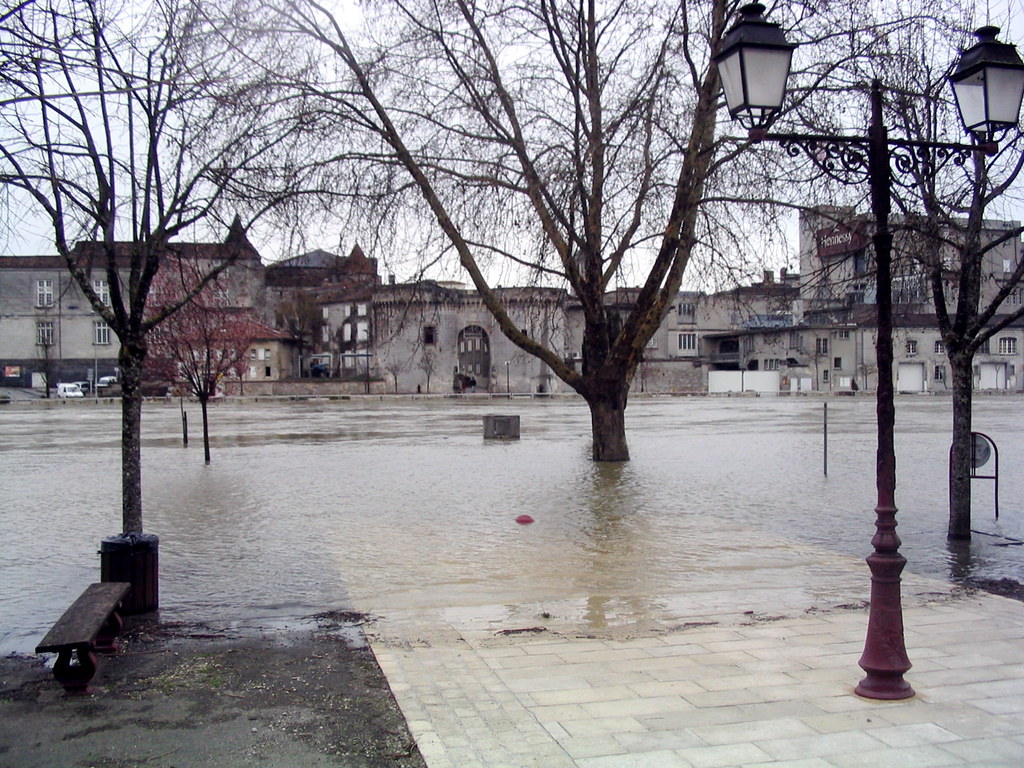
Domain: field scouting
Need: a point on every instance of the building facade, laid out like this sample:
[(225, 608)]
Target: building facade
[(331, 317), (49, 332)]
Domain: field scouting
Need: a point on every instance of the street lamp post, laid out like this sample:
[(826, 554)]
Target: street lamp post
[(754, 62), (508, 387)]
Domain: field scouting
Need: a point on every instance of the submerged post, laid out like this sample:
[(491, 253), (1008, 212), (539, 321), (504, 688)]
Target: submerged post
[(824, 444), (501, 427)]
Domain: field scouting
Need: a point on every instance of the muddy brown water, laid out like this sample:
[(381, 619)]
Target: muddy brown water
[(376, 504)]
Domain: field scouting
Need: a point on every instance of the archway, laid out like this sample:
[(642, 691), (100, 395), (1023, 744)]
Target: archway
[(475, 356)]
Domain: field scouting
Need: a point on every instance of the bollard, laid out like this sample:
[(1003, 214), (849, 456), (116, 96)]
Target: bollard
[(501, 427)]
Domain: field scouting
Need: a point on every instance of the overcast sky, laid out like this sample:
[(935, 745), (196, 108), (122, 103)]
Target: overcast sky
[(31, 235)]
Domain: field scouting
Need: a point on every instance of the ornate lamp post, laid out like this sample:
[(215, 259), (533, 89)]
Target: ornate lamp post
[(989, 81)]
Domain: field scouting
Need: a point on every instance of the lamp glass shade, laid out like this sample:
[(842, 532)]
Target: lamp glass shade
[(989, 85), (765, 71), (989, 100), (753, 65), (754, 81), (1004, 91), (730, 69)]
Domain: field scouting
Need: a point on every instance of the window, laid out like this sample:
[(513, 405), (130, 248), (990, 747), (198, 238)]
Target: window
[(100, 333), (837, 363), (252, 371), (911, 347), (102, 290), (266, 371), (44, 293), (687, 342), (652, 343), (44, 333), (325, 313), (842, 334), (687, 309), (430, 335), (252, 356), (824, 375), (984, 347), (325, 333), (362, 331), (940, 348), (1007, 345), (821, 346), (772, 365), (940, 373), (361, 310)]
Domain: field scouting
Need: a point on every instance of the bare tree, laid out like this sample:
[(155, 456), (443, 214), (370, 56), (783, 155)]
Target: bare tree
[(44, 342), (203, 342), (395, 367), (124, 128), (565, 142), (428, 364), (301, 317)]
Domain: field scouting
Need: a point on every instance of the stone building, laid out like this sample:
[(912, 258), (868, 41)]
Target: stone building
[(323, 300), (331, 317), (48, 330), (828, 342), (439, 337)]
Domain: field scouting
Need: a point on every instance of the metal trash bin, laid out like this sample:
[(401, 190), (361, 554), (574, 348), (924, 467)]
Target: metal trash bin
[(133, 557)]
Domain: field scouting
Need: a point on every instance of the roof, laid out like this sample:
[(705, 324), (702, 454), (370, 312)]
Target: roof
[(317, 268)]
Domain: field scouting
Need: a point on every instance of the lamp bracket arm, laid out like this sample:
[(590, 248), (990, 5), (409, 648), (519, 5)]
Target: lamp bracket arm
[(845, 158)]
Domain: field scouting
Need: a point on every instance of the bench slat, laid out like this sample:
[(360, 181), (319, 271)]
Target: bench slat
[(82, 621)]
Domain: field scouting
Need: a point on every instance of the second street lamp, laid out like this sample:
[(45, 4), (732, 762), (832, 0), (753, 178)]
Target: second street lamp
[(989, 83)]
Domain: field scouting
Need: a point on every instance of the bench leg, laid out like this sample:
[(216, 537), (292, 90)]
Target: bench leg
[(74, 669), (106, 639)]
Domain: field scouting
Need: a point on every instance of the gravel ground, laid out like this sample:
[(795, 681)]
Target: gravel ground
[(189, 695)]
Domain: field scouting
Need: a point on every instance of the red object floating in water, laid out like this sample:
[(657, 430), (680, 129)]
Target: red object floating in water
[(524, 519)]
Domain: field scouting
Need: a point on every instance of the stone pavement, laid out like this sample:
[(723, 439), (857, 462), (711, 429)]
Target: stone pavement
[(734, 689)]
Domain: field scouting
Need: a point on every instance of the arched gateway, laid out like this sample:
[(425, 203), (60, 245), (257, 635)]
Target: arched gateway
[(475, 356)]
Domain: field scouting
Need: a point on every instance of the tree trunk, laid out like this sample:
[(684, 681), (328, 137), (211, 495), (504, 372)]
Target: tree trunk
[(608, 424), (130, 360), (206, 428), (960, 455)]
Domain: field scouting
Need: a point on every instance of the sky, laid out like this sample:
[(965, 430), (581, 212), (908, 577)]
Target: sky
[(26, 234)]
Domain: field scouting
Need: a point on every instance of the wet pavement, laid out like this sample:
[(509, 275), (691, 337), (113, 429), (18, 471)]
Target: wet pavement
[(771, 687)]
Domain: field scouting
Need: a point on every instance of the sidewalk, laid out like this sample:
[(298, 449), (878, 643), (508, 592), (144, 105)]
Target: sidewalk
[(729, 690)]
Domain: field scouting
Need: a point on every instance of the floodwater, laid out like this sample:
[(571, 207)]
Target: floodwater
[(400, 504)]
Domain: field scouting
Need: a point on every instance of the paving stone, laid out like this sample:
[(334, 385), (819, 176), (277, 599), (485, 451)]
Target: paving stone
[(736, 692), (724, 756)]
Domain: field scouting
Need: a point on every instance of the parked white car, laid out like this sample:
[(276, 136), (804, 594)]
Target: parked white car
[(69, 390), (106, 381)]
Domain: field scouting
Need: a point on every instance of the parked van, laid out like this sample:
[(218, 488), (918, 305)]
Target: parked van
[(69, 390)]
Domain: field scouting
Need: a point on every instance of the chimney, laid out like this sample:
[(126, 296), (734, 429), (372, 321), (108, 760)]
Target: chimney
[(769, 276), (391, 279)]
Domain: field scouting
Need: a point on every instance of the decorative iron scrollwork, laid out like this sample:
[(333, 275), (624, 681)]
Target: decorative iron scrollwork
[(845, 159), (912, 161)]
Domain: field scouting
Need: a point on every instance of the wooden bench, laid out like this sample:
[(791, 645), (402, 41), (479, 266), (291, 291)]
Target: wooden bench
[(88, 627)]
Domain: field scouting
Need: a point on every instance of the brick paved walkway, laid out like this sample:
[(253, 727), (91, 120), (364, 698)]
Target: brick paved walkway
[(736, 689)]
